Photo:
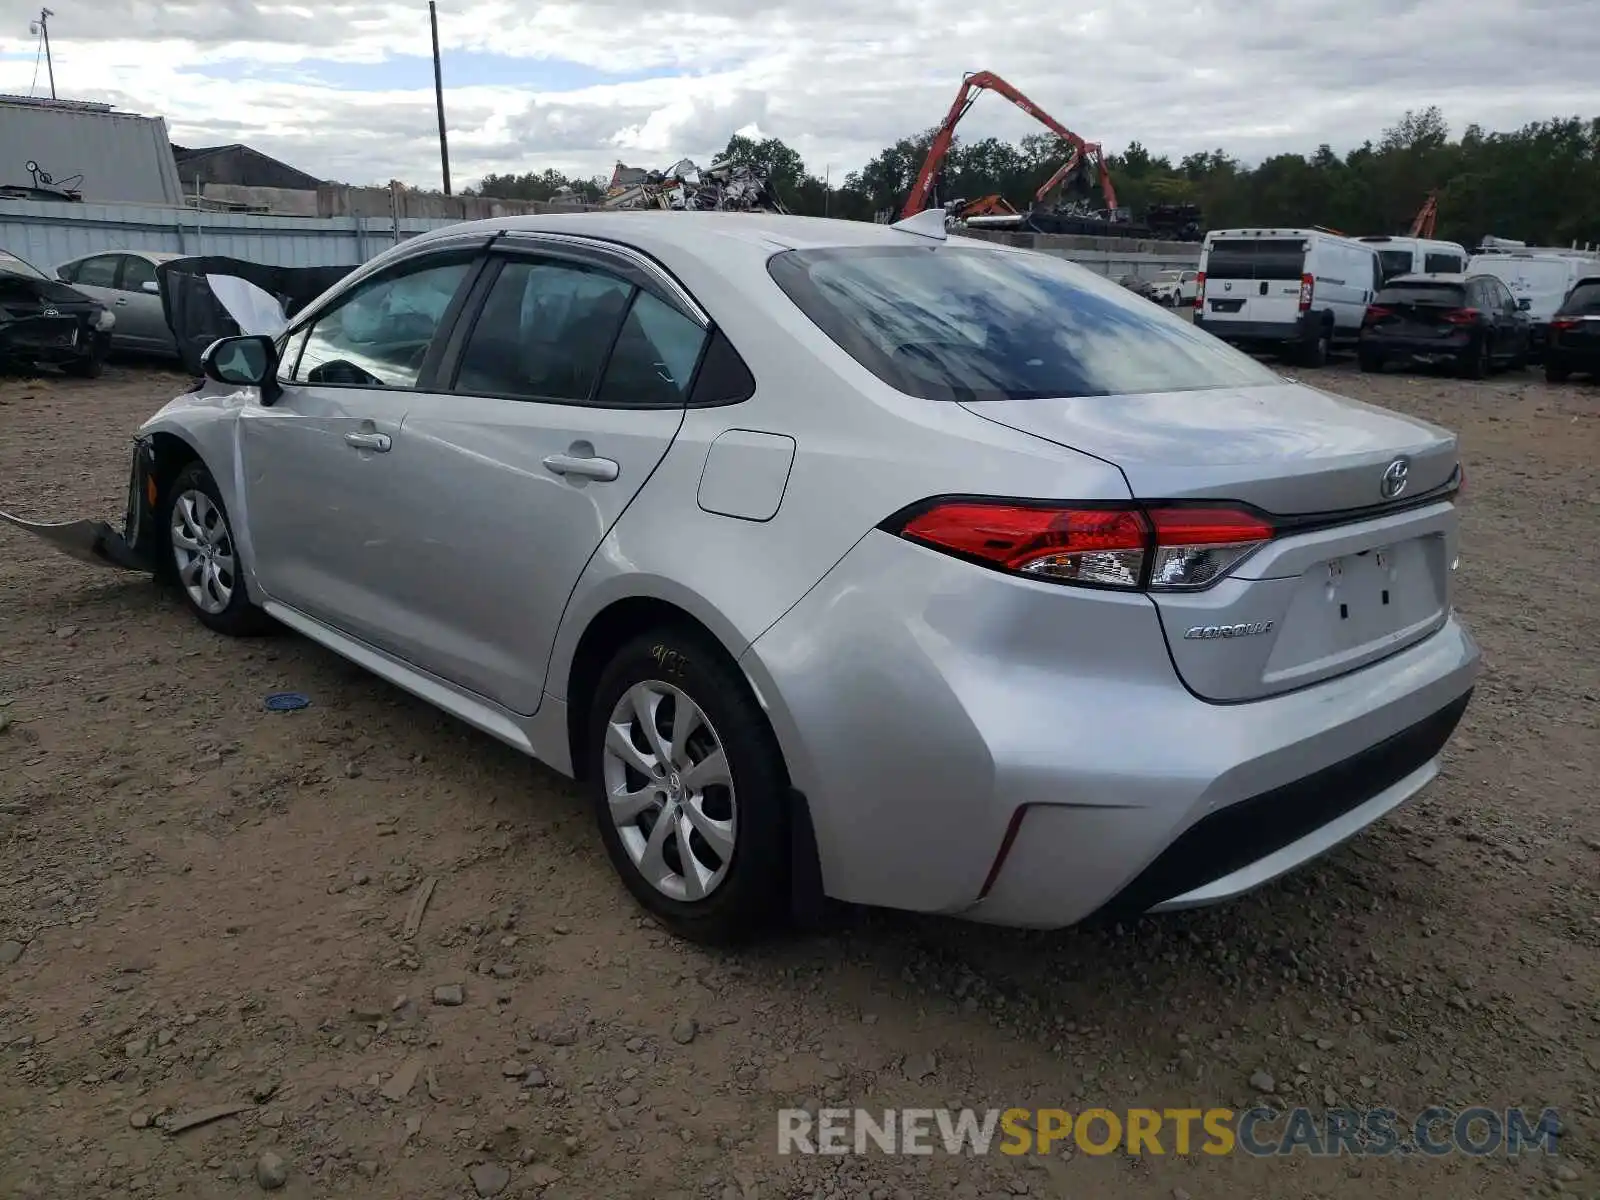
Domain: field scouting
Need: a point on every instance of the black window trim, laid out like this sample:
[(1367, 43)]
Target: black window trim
[(585, 253), (116, 276), (475, 261)]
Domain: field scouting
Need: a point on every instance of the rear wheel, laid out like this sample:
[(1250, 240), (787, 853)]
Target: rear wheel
[(1556, 372), (690, 790), (1315, 351), (1474, 361), (205, 557), (1371, 361)]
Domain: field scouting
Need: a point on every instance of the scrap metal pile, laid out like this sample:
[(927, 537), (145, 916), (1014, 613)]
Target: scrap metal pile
[(685, 187)]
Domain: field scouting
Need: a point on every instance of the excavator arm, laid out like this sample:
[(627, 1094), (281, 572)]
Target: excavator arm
[(1427, 216), (970, 87)]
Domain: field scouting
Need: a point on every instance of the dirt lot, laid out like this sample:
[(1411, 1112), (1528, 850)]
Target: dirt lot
[(202, 903)]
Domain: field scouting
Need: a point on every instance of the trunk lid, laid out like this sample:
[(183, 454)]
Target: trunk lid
[(1253, 279), (1352, 577)]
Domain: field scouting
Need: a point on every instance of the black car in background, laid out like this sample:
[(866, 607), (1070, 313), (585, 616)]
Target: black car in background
[(43, 320), (1470, 323), (1574, 339)]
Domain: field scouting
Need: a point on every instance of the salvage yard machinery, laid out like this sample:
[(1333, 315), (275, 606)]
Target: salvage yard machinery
[(1085, 165)]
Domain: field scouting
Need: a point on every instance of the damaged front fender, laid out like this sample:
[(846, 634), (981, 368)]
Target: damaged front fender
[(96, 542)]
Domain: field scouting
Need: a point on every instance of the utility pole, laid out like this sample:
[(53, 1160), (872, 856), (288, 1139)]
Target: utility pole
[(41, 28), (438, 96)]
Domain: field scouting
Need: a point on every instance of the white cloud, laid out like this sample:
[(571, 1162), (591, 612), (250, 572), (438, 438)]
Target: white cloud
[(837, 79)]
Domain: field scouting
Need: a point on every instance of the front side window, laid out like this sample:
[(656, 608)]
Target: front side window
[(544, 331), (100, 271), (953, 323), (379, 333)]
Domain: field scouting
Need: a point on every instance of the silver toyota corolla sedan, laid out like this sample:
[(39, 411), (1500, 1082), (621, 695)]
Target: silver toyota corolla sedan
[(839, 559)]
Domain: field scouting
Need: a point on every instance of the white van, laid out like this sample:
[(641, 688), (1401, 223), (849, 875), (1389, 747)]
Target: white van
[(1294, 291), (1418, 256), (1539, 279)]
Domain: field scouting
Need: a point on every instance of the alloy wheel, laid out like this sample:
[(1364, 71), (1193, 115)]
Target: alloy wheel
[(669, 790), (203, 550)]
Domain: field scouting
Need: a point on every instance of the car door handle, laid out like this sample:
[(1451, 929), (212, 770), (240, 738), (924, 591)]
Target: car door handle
[(603, 469), (122, 300), (369, 441)]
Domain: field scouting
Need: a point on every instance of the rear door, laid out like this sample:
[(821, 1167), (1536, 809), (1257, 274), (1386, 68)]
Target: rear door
[(96, 277), (1255, 280), (140, 317), (563, 389)]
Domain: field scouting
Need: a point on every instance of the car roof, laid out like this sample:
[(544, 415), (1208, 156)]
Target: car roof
[(699, 233)]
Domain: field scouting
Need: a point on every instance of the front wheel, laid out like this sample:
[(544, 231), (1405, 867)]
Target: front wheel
[(91, 366), (205, 557), (1556, 372), (689, 789)]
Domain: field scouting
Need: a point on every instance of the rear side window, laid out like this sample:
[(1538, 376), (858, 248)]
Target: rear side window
[(100, 271), (1442, 264), (653, 362), (1260, 258), (1584, 300), (952, 323), (544, 331), (1451, 295)]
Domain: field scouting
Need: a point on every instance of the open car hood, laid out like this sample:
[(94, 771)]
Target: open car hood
[(206, 298)]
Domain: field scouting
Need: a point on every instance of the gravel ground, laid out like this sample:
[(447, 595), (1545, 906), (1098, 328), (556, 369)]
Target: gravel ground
[(203, 904)]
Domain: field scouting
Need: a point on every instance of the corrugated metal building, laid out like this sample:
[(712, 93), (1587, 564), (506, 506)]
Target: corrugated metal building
[(120, 157)]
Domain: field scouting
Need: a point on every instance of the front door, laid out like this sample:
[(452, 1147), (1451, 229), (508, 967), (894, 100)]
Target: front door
[(506, 478), (318, 463)]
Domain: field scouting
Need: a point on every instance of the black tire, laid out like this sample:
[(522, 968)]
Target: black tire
[(752, 895), (1315, 351), (1475, 360), (1370, 362), (1556, 373), (239, 617), (91, 366)]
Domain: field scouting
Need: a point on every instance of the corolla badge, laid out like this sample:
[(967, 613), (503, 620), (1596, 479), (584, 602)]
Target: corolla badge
[(1207, 632), (1395, 477)]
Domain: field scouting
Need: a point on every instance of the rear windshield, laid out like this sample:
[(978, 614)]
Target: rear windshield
[(1585, 299), (952, 323), (1441, 263), (1394, 262), (1451, 294), (1256, 258)]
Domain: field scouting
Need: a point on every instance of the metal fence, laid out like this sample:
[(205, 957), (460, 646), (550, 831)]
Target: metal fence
[(47, 234)]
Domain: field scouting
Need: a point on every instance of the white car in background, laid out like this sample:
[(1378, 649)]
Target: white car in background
[(1174, 288), (125, 282)]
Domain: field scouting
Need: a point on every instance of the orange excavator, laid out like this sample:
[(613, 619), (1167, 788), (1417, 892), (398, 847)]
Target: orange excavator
[(1083, 153), (1422, 226)]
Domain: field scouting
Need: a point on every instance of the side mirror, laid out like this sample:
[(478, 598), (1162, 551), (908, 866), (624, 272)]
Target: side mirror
[(151, 286), (248, 361), (1524, 304)]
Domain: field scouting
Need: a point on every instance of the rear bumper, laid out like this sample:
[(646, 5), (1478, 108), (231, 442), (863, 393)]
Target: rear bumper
[(1423, 348), (1024, 754), (1252, 333)]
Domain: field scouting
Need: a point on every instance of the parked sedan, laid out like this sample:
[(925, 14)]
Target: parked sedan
[(125, 282), (44, 321), (1471, 323), (1574, 344), (837, 558)]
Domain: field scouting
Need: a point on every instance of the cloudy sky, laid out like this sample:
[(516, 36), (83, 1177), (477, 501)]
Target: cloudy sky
[(343, 88)]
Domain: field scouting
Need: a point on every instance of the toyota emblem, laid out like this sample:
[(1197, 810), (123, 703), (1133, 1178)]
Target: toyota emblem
[(1395, 477)]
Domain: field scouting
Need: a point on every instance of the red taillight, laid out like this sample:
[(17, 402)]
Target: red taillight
[(1460, 316), (1564, 323), (1200, 290), (1163, 548), (1308, 286), (1375, 313)]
